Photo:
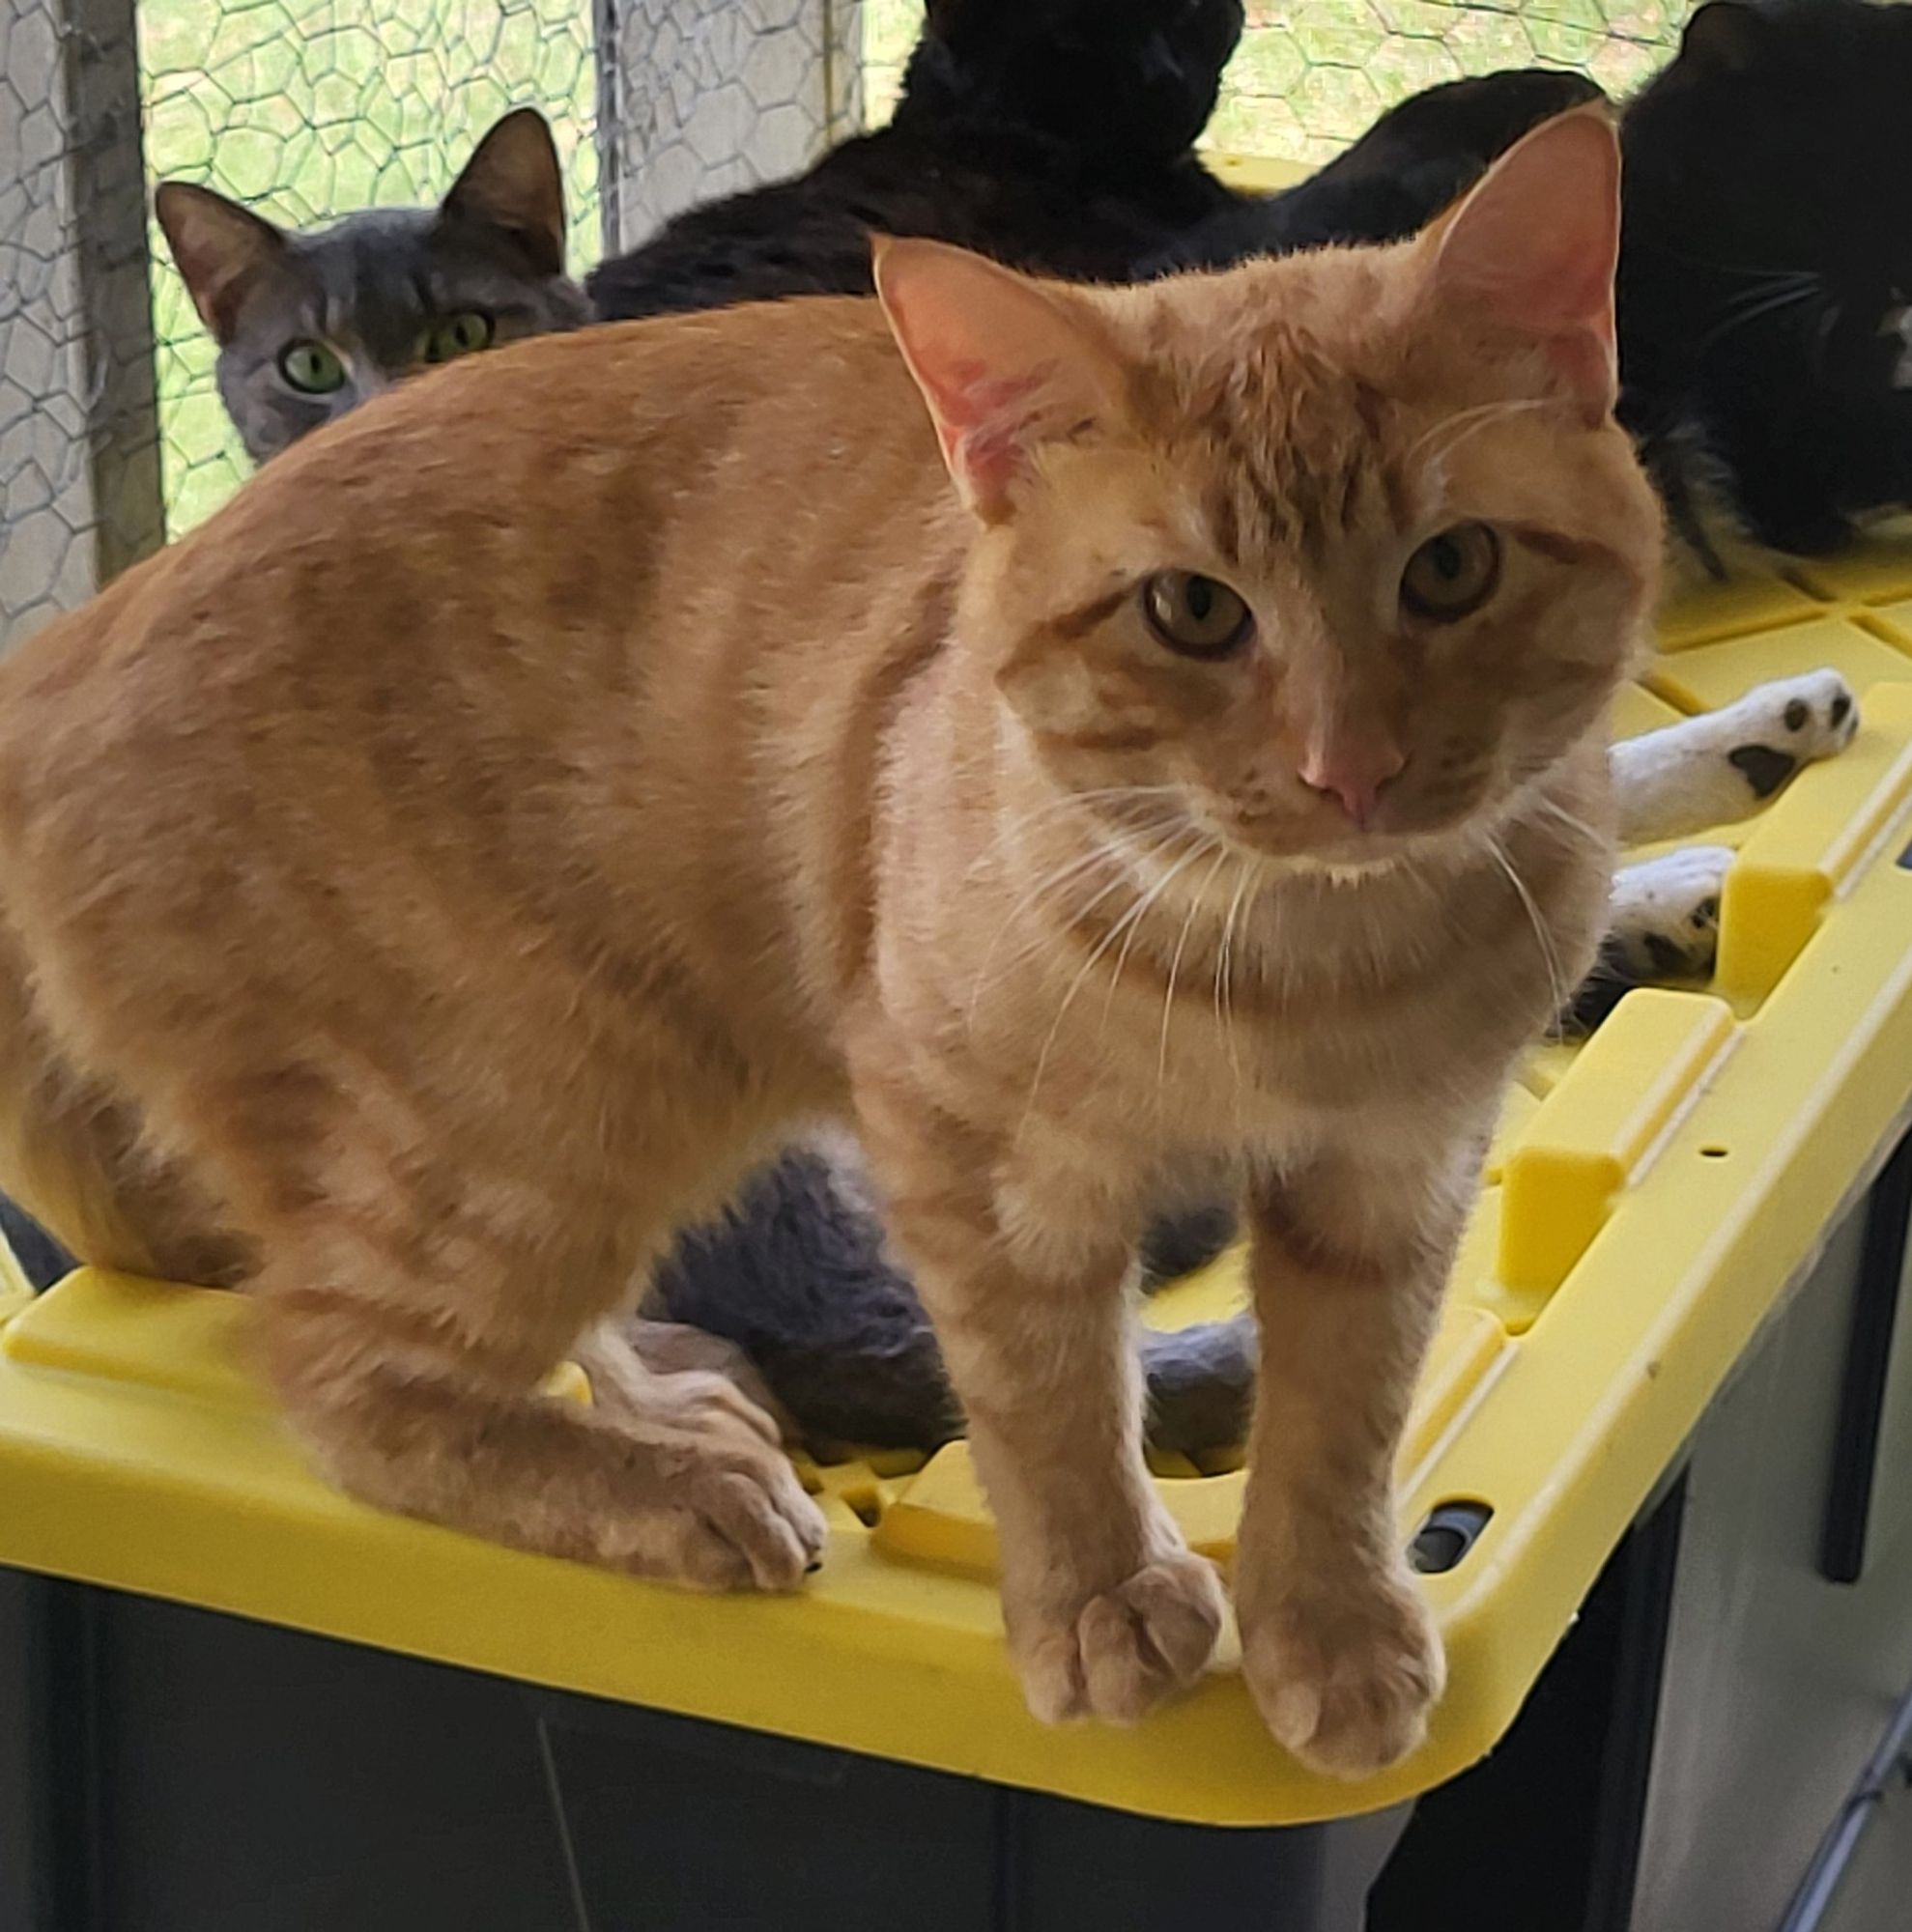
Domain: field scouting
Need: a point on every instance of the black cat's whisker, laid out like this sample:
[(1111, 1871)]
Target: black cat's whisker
[(1758, 311), (1771, 277), (1738, 271), (1802, 283), (1776, 278), (1822, 335)]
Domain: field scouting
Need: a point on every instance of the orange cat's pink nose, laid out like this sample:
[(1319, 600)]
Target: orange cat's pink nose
[(1353, 771)]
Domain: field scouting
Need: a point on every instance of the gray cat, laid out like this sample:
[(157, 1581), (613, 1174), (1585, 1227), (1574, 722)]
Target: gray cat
[(309, 325)]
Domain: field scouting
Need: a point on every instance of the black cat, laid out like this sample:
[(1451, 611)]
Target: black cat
[(1766, 270), (1411, 165), (1057, 135)]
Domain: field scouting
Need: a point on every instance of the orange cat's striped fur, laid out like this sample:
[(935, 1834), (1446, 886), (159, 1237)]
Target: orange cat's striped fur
[(448, 868)]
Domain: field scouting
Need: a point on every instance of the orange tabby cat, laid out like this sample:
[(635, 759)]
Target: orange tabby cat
[(454, 863)]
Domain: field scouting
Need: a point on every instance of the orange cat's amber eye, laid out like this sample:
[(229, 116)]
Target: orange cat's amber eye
[(1451, 576), (1196, 616)]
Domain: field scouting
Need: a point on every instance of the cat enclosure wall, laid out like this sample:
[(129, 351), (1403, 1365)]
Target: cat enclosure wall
[(110, 430)]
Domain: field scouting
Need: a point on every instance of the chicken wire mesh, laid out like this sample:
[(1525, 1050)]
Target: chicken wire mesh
[(1310, 75), (713, 95)]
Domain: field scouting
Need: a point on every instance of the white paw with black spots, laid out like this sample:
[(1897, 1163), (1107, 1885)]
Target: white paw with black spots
[(1722, 765), (1664, 928), (1790, 724), (1666, 917)]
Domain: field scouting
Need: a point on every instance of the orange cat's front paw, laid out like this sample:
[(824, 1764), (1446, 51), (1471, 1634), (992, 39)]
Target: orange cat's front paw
[(715, 1515), (1125, 1650), (1345, 1680)]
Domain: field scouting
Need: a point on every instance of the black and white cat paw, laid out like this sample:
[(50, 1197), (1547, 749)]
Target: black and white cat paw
[(1664, 926), (1789, 724), (1725, 764), (1666, 914)]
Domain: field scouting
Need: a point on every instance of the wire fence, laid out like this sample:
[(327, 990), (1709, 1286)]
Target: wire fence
[(1310, 77), (715, 95)]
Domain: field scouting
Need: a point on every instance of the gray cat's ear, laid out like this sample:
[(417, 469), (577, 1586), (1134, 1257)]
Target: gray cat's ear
[(1723, 36), (512, 184), (221, 249)]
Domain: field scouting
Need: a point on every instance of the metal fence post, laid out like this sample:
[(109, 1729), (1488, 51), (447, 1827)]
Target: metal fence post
[(79, 464), (701, 97)]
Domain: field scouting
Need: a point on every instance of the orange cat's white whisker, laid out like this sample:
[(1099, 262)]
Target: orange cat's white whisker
[(1226, 965), (1456, 429), (1097, 793), (1567, 819), (1197, 902), (1136, 911), (1043, 937), (1070, 801), (1121, 851), (1549, 957)]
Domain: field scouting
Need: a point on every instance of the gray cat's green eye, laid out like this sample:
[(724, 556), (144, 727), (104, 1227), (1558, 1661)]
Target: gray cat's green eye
[(311, 368), (1196, 616), (461, 335), (1452, 575)]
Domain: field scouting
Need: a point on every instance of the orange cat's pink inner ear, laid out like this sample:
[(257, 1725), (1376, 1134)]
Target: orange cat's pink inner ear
[(1535, 245), (1003, 366)]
